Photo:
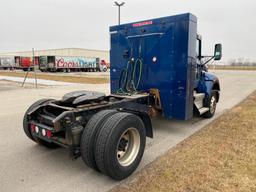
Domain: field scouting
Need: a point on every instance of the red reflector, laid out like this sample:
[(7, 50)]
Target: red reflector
[(33, 127), (48, 134)]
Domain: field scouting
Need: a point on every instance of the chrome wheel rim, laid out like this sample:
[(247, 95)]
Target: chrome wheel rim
[(213, 105), (128, 147)]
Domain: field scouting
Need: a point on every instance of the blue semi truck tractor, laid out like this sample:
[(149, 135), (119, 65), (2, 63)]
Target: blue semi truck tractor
[(157, 68)]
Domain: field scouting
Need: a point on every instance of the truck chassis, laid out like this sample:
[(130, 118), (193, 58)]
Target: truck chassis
[(76, 121)]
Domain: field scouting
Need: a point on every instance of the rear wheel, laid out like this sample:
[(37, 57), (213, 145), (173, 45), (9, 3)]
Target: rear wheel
[(26, 125), (90, 134), (120, 145)]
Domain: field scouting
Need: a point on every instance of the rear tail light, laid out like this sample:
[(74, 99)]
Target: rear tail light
[(48, 134), (33, 128), (44, 132), (36, 129)]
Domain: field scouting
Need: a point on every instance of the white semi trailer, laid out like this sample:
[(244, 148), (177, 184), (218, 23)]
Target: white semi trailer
[(70, 64), (7, 63)]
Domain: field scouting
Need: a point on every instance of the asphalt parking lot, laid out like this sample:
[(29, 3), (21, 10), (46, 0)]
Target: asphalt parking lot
[(26, 166)]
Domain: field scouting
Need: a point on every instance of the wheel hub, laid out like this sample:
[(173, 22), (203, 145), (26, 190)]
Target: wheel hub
[(128, 147), (123, 145)]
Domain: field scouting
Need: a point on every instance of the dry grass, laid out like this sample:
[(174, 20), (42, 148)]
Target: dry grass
[(71, 79), (220, 157)]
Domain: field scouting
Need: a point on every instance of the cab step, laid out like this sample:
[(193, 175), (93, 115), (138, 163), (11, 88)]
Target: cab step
[(203, 110), (198, 100)]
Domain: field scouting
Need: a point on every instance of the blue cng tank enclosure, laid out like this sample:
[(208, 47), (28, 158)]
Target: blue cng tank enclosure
[(167, 49)]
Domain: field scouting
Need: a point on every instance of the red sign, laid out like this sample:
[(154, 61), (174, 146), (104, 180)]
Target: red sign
[(68, 64), (142, 23)]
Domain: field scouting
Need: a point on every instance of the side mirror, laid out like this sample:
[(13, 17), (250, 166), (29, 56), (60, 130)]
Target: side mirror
[(218, 52)]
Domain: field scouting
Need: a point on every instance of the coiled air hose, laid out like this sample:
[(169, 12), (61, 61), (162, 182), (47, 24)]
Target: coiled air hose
[(128, 77), (136, 85), (122, 86)]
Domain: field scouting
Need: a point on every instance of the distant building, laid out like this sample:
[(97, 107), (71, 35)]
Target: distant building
[(69, 52)]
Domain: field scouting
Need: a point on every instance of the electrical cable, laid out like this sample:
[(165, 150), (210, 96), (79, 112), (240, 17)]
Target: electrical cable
[(136, 85), (122, 87), (128, 82), (128, 75)]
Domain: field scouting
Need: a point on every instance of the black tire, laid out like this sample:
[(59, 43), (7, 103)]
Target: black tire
[(26, 127), (109, 140), (89, 137), (211, 103)]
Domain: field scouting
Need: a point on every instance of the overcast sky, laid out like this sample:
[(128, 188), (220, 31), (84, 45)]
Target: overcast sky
[(46, 24)]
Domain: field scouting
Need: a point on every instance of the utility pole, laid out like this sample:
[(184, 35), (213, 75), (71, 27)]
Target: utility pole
[(34, 64), (29, 67), (119, 5)]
